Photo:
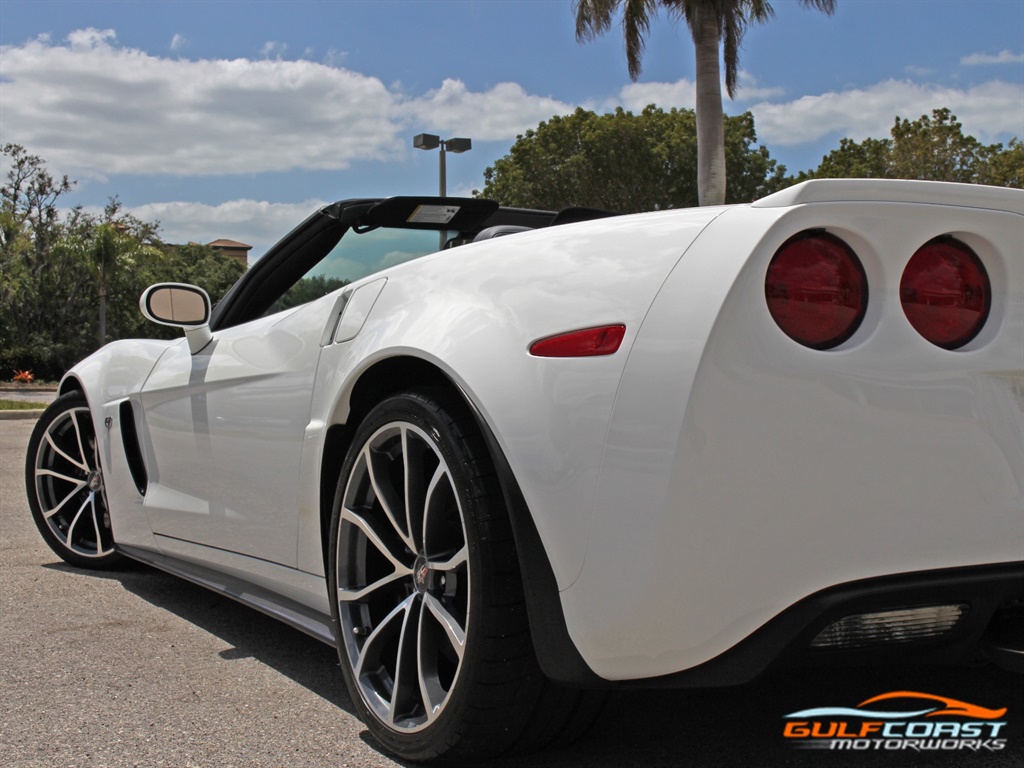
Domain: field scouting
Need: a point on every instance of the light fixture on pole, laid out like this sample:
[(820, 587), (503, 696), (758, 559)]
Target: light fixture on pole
[(458, 146)]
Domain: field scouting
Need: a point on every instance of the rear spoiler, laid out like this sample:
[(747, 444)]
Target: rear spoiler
[(897, 191)]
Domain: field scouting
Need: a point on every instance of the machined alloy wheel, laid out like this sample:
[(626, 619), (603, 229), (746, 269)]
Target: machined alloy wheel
[(403, 580), (427, 594), (64, 481)]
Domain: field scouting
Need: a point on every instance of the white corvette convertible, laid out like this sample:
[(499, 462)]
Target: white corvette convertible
[(578, 451)]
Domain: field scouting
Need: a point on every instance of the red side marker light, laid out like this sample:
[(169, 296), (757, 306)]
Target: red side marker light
[(589, 342), (946, 293)]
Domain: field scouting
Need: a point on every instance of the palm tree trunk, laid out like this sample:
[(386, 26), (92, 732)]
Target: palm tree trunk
[(101, 333), (710, 123)]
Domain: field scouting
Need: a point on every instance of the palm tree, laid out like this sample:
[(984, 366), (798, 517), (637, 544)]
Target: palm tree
[(107, 246), (110, 248), (711, 23)]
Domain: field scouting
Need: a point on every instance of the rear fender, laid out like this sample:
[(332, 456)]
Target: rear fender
[(751, 471)]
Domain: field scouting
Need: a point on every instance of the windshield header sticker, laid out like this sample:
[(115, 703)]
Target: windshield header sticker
[(433, 214)]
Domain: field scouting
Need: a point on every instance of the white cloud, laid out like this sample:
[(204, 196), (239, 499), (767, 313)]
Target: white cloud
[(683, 93), (178, 42), (991, 111), (255, 222), (273, 50), (750, 88), (92, 107), (1003, 57), (499, 113), (84, 39), (635, 96), (335, 58), (987, 111)]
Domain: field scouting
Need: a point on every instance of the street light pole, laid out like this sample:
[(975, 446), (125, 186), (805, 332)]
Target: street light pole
[(458, 146), (442, 172)]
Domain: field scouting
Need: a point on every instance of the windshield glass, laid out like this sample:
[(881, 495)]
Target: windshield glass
[(359, 255), (355, 256)]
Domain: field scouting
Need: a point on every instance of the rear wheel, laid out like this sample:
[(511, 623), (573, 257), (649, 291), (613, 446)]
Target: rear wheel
[(427, 596), (64, 481)]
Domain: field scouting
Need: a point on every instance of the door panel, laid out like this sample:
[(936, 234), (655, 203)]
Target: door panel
[(225, 431)]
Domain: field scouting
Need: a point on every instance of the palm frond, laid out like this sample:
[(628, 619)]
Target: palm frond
[(593, 17), (636, 23)]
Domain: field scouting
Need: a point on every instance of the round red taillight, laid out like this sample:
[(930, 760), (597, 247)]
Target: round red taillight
[(816, 290), (946, 293)]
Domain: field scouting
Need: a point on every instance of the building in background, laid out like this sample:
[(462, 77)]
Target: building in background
[(233, 250)]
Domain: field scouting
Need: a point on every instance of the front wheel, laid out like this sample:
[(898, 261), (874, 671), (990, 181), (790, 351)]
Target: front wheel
[(64, 482), (426, 592)]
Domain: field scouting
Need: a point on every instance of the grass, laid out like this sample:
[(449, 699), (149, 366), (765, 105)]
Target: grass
[(19, 405)]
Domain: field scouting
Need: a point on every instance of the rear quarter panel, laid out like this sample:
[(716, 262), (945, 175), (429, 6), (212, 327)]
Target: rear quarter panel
[(744, 471)]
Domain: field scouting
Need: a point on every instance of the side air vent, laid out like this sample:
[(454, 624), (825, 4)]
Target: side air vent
[(132, 450)]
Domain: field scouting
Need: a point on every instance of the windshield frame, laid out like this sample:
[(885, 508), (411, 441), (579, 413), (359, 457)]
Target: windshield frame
[(310, 242)]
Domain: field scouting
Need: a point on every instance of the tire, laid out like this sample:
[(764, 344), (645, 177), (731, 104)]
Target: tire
[(64, 483), (427, 597)]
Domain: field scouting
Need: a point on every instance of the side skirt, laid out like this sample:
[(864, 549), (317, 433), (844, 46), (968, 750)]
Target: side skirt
[(295, 614)]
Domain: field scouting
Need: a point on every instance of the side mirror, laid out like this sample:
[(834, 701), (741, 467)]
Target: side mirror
[(180, 306)]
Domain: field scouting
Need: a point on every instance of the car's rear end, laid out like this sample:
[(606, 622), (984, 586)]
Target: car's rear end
[(817, 445)]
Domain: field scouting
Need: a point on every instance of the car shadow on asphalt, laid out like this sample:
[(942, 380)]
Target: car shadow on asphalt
[(743, 725), (735, 726), (250, 634)]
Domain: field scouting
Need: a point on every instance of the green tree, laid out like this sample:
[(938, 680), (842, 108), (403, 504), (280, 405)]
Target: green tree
[(306, 290), (932, 148), (112, 249), (625, 162), (1006, 167), (201, 265), (43, 285), (936, 148), (28, 205), (50, 262), (715, 26), (869, 159)]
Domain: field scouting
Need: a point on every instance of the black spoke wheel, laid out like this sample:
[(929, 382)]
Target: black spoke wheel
[(64, 483), (426, 592)]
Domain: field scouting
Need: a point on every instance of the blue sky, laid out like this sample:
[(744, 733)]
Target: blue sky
[(237, 118)]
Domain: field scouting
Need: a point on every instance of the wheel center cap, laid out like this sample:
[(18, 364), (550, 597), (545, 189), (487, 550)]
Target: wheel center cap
[(94, 481), (421, 575)]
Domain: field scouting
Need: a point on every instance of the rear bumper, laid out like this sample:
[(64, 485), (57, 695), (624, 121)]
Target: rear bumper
[(989, 627), (1003, 642)]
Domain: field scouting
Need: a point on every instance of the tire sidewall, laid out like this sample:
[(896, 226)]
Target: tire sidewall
[(439, 736), (56, 409)]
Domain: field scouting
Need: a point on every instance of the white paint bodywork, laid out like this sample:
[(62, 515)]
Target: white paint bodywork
[(686, 489), (752, 472)]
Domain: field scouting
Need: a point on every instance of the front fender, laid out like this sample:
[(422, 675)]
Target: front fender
[(114, 372), (107, 378)]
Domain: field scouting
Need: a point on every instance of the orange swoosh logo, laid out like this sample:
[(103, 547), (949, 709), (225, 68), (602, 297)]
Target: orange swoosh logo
[(951, 706)]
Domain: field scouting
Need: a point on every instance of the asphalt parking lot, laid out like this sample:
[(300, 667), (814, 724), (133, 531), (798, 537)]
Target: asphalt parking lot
[(137, 668)]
